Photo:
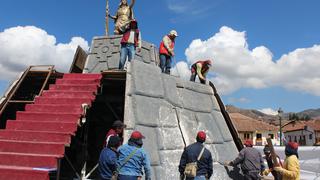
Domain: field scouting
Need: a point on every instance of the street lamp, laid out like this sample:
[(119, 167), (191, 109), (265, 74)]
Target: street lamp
[(279, 114)]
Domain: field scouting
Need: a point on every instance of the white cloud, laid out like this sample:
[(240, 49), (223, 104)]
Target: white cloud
[(21, 47), (236, 66), (181, 70), (268, 111), (238, 100)]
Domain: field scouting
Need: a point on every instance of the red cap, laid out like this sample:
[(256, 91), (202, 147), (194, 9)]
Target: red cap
[(136, 135), (293, 145), (248, 142), (201, 135)]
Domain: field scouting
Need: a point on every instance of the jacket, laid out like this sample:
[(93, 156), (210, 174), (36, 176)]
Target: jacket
[(191, 153), (136, 38), (250, 160), (291, 168), (107, 163), (200, 68), (166, 46), (134, 165)]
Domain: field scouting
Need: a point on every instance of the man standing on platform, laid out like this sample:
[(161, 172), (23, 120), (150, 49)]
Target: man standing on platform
[(166, 51)]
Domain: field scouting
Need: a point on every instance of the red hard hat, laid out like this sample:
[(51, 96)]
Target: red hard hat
[(137, 135), (201, 135), (248, 142)]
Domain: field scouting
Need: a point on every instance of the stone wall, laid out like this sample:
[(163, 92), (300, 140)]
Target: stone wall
[(167, 110)]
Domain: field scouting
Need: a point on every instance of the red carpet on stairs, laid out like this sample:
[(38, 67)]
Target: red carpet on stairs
[(32, 144)]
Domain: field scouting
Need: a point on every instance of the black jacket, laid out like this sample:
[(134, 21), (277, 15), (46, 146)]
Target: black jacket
[(191, 153)]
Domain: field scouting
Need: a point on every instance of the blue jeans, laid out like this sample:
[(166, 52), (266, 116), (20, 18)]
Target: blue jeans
[(127, 50), (124, 177), (165, 63), (200, 178)]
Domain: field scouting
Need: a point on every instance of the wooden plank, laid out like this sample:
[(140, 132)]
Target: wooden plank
[(273, 153)]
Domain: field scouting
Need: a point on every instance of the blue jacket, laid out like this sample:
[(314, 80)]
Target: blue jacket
[(107, 163), (191, 153), (134, 166)]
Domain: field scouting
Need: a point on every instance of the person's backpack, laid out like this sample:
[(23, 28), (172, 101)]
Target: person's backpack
[(191, 168), (115, 174)]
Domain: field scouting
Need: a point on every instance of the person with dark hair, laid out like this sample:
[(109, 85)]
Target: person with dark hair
[(251, 162), (108, 158), (131, 40), (200, 68), (271, 164), (291, 166), (132, 157), (116, 130), (196, 160)]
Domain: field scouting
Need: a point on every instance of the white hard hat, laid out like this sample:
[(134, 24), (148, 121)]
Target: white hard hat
[(173, 32)]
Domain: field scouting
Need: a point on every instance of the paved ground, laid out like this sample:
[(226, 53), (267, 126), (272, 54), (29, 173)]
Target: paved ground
[(309, 161)]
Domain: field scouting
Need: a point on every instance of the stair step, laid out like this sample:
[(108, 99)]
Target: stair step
[(32, 147), (28, 160), (41, 116), (68, 94), (63, 127), (53, 108), (22, 173), (35, 136), (78, 81), (64, 100), (81, 76), (72, 87)]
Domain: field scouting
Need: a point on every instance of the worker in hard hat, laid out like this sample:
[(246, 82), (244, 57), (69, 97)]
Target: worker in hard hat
[(201, 69), (166, 51)]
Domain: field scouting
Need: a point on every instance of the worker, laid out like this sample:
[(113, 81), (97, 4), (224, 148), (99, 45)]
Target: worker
[(116, 130), (108, 158), (196, 160), (132, 157), (271, 164), (291, 166), (131, 40), (166, 51), (251, 162), (201, 69)]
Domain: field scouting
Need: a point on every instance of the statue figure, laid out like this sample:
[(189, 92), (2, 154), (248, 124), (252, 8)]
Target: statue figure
[(123, 17)]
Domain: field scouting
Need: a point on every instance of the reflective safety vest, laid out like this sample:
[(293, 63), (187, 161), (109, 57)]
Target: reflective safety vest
[(163, 49)]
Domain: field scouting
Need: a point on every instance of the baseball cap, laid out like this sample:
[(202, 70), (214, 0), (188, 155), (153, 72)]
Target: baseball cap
[(118, 124), (136, 135), (201, 135)]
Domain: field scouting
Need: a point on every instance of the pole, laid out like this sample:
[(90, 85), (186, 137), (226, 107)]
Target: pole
[(280, 119), (107, 18)]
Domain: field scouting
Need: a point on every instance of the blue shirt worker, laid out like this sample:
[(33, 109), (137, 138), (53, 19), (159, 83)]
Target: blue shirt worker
[(108, 158), (132, 158), (197, 153)]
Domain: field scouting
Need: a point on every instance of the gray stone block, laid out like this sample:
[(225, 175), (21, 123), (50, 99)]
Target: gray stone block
[(215, 103), (170, 161), (129, 117), (147, 79), (170, 139), (198, 87), (168, 116), (129, 88), (195, 101), (147, 110), (113, 62), (189, 125), (226, 151), (150, 143), (224, 173), (222, 126), (209, 125), (171, 91)]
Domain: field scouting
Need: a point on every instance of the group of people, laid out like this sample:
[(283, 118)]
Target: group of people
[(120, 161), (253, 168), (131, 42), (127, 162)]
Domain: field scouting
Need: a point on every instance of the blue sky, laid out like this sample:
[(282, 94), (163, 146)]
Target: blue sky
[(281, 27)]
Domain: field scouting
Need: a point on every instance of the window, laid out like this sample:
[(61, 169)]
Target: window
[(310, 136), (271, 136), (295, 138), (289, 138), (259, 136), (246, 136)]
